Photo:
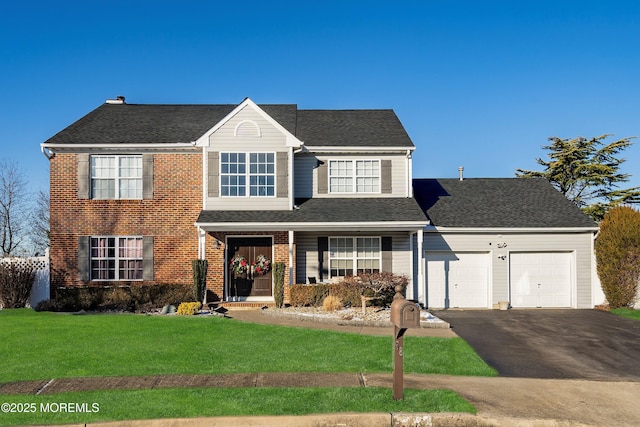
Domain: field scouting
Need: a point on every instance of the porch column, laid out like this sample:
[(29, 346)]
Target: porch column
[(422, 298), (202, 238), (291, 269)]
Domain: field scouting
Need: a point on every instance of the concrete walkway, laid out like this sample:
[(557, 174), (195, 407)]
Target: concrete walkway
[(499, 401)]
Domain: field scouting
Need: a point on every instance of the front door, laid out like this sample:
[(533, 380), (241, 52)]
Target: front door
[(249, 281)]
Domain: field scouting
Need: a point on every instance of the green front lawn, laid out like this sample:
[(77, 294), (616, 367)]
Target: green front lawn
[(53, 345), (214, 402)]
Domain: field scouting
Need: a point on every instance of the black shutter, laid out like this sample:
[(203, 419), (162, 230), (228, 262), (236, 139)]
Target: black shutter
[(147, 176), (83, 258), (323, 258), (387, 254), (83, 176), (147, 258)]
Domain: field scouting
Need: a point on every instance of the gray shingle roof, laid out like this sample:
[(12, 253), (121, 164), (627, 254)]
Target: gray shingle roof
[(150, 123), (327, 210), (497, 203)]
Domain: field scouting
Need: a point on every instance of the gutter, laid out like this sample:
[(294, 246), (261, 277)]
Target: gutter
[(435, 229)]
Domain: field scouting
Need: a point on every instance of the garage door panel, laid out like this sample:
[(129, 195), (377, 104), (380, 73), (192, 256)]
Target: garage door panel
[(457, 279), (540, 279)]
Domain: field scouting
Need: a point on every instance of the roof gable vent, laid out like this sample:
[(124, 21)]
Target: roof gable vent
[(247, 128)]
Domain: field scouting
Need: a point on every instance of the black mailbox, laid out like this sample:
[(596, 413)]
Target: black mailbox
[(405, 314)]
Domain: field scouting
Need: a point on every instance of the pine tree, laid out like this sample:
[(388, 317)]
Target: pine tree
[(587, 172)]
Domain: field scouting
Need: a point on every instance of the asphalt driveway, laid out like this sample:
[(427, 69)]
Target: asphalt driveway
[(564, 344)]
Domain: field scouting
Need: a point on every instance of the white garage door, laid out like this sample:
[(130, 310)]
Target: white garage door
[(457, 280), (540, 279)]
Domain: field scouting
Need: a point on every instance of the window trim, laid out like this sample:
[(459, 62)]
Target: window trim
[(354, 255), (354, 176), (116, 178), (116, 258), (247, 174)]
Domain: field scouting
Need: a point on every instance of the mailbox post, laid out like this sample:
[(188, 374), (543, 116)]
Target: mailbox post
[(404, 314)]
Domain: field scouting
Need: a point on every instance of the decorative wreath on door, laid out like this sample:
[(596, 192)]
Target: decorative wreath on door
[(239, 264), (262, 265)]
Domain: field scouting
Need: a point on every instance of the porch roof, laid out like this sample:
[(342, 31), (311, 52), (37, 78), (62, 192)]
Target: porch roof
[(322, 214)]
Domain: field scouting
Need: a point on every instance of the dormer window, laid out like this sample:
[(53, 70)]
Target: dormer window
[(354, 176)]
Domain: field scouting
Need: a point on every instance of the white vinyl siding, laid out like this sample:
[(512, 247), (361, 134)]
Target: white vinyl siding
[(308, 166), (116, 177), (308, 259), (249, 132)]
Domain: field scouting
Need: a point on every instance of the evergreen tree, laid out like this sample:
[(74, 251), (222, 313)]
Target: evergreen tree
[(587, 172)]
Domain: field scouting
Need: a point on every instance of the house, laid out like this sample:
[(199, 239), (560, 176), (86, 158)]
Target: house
[(510, 240), (139, 191)]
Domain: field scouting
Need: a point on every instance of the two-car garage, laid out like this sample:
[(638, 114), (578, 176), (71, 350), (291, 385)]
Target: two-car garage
[(466, 279), (497, 241)]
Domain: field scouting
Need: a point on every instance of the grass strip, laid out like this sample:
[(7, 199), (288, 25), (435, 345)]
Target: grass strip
[(627, 312), (55, 345), (213, 402)]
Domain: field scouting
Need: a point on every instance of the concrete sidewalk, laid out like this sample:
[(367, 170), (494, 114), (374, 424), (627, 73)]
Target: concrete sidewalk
[(499, 401)]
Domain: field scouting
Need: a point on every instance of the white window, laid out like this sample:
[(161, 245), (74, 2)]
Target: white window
[(354, 176), (116, 258), (116, 177), (258, 169), (354, 254)]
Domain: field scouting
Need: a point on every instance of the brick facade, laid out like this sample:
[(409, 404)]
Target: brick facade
[(168, 217)]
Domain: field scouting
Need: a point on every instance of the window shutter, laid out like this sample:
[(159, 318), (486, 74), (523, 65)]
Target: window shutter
[(282, 168), (387, 254), (385, 176), (323, 177), (213, 178), (83, 176), (323, 258), (147, 258), (147, 176), (83, 258)]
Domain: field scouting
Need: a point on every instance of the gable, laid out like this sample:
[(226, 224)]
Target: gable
[(248, 121)]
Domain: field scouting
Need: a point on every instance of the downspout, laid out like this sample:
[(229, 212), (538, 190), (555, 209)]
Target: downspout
[(46, 152), (409, 174)]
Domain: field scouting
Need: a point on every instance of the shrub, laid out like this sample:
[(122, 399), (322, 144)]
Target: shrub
[(332, 303), (278, 288), (124, 298), (379, 286), (16, 281), (199, 267), (188, 308), (308, 295), (618, 256)]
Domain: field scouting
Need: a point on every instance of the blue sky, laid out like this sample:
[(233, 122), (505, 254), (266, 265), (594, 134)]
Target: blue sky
[(479, 84)]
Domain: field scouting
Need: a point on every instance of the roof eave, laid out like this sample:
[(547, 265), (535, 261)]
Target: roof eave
[(313, 226), (471, 230)]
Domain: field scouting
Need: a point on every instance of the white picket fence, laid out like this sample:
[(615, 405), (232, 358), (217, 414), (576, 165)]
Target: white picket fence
[(40, 290)]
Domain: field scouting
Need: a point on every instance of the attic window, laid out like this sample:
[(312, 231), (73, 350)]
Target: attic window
[(247, 128)]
